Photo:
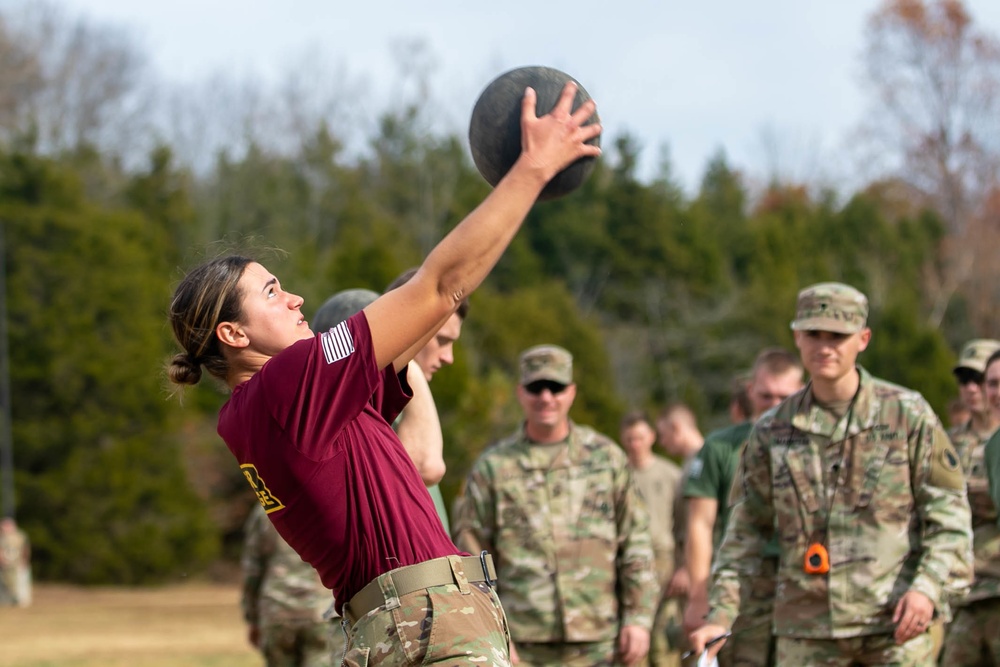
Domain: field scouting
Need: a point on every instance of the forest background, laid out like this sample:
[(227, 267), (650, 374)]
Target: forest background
[(662, 295)]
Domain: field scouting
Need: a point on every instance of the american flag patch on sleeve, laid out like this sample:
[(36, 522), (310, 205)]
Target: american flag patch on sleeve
[(337, 343)]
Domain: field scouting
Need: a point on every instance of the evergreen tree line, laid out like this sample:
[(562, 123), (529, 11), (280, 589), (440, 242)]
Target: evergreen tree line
[(662, 296), (660, 299)]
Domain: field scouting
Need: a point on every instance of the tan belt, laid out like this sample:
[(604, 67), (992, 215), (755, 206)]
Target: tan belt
[(417, 577)]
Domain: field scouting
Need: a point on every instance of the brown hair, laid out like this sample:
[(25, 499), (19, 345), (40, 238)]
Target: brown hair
[(207, 295), (775, 361), (678, 411), (635, 417), (404, 277)]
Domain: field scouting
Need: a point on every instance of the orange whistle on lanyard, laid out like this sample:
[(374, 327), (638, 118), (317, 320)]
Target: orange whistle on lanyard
[(817, 560)]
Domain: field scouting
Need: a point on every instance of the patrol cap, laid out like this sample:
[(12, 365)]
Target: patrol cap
[(976, 353), (832, 307), (340, 306), (546, 362)]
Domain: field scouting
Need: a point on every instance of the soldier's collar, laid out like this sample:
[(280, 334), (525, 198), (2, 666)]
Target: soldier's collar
[(861, 416)]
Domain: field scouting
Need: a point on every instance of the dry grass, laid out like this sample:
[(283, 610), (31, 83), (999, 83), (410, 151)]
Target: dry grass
[(192, 625)]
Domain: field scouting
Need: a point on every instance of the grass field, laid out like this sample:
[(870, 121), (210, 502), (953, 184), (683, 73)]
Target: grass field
[(193, 625)]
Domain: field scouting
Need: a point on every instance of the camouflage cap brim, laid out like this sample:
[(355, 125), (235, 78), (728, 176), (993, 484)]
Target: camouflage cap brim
[(827, 324)]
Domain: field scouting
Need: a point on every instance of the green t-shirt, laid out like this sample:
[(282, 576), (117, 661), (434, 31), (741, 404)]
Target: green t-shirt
[(993, 467), (712, 470), (711, 476), (438, 499)]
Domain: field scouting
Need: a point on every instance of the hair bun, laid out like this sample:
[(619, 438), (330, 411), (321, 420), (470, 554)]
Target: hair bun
[(184, 369)]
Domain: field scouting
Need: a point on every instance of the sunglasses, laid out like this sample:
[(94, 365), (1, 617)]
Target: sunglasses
[(967, 375), (535, 388)]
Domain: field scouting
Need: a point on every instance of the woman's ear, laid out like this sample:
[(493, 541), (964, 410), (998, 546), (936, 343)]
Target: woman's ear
[(231, 334)]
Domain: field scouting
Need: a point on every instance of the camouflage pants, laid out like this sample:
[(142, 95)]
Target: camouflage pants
[(667, 635), (879, 650), (297, 644), (336, 640), (454, 624), (666, 625), (752, 643), (974, 635), (552, 654)]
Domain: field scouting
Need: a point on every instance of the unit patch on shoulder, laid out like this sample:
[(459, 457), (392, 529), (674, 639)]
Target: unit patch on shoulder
[(268, 500), (946, 468)]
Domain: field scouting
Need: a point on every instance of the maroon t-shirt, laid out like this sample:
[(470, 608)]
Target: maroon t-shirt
[(311, 431)]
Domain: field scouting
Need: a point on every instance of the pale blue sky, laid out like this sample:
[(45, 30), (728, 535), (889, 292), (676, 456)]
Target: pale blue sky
[(695, 75)]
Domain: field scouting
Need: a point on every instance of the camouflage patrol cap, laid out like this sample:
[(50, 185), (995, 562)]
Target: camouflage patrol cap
[(340, 306), (976, 353), (832, 307), (546, 362)]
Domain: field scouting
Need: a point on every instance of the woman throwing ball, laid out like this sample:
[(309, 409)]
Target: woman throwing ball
[(309, 419)]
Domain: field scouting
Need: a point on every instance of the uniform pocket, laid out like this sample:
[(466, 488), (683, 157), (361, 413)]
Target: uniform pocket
[(794, 496), (413, 624), (596, 495), (357, 657), (470, 628)]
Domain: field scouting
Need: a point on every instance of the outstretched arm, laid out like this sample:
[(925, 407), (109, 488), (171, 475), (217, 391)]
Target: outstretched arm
[(404, 319)]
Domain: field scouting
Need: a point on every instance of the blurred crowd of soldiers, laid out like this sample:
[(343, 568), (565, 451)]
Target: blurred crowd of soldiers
[(834, 522)]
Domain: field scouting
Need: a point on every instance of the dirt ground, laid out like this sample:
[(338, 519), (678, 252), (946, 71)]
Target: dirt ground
[(192, 625)]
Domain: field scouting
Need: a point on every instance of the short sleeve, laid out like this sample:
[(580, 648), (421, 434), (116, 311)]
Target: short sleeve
[(317, 386), (704, 472)]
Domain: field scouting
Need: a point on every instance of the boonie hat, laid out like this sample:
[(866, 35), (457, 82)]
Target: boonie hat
[(546, 362), (975, 354), (832, 307)]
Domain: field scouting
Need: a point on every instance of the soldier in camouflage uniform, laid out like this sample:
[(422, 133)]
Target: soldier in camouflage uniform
[(284, 601), (776, 374), (969, 439), (866, 495), (983, 419), (992, 453), (557, 507), (974, 634)]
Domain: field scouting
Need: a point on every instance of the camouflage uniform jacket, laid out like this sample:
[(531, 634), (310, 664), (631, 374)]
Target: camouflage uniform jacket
[(971, 448), (569, 533), (881, 488), (278, 586)]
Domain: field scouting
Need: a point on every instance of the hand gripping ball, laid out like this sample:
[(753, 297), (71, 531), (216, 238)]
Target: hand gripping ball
[(495, 129)]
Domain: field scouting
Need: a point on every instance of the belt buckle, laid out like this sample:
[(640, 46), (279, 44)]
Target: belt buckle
[(486, 569)]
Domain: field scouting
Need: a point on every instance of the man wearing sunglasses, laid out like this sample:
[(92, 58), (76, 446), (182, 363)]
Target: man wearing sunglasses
[(557, 507), (961, 646), (983, 420)]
